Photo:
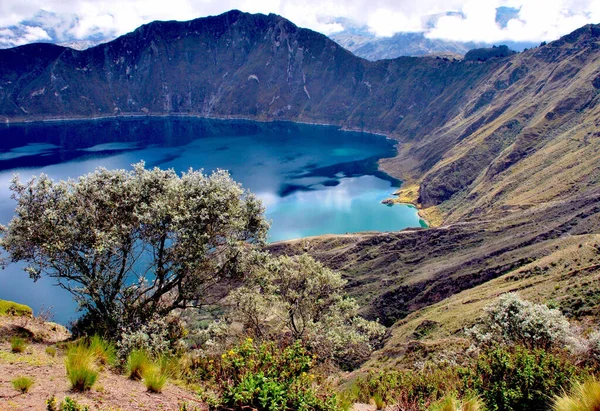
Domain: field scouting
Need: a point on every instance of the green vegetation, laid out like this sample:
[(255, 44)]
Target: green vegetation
[(67, 404), (12, 308), (275, 331), (80, 364), (138, 362), (154, 378), (22, 384), (266, 377), (17, 344), (105, 352), (407, 388), (521, 379), (309, 304), (51, 351)]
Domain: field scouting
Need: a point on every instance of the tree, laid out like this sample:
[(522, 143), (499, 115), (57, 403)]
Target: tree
[(299, 297), (132, 244)]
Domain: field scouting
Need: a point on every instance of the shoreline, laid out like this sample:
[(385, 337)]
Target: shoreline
[(390, 202), (49, 119), (7, 121)]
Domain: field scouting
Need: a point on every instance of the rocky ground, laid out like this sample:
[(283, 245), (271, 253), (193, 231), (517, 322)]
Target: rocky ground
[(111, 392)]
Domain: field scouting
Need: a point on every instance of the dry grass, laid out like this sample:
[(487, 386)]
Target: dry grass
[(583, 397), (17, 345), (112, 391), (407, 194), (568, 276)]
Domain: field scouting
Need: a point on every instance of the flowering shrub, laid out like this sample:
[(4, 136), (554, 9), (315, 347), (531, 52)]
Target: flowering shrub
[(512, 320), (157, 337), (266, 377)]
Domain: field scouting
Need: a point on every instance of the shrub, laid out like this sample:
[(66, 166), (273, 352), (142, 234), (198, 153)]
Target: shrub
[(17, 344), (51, 351), (80, 363), (407, 387), (266, 376), (22, 384), (154, 378), (157, 337), (186, 233), (105, 352), (67, 404), (513, 379), (138, 363), (511, 320)]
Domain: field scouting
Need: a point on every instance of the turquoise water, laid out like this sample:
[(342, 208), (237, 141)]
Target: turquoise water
[(312, 179)]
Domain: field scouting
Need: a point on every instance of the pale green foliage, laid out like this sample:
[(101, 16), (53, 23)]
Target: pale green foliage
[(592, 348), (301, 297), (128, 244), (151, 337), (67, 404), (512, 320), (583, 397)]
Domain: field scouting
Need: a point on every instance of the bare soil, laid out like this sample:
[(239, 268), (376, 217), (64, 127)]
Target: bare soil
[(111, 392)]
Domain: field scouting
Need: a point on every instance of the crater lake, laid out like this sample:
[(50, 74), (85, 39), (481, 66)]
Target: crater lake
[(312, 179)]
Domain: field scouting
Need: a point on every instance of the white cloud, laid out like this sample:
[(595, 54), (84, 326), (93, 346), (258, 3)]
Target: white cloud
[(536, 20), (474, 19)]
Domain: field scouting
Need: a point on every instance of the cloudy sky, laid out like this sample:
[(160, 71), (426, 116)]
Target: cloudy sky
[(491, 21)]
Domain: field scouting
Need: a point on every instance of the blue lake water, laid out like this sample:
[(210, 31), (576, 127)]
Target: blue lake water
[(312, 179)]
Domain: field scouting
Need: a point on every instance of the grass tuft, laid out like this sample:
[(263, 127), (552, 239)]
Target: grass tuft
[(22, 384), (51, 351), (138, 362), (583, 397), (450, 403), (379, 401), (154, 378), (80, 367), (17, 344), (106, 353)]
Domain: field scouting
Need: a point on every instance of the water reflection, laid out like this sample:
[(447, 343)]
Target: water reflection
[(313, 180)]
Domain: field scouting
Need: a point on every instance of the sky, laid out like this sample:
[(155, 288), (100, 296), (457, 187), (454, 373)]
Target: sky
[(489, 21)]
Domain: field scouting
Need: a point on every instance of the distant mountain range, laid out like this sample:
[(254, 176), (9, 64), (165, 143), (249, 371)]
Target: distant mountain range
[(365, 44)]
